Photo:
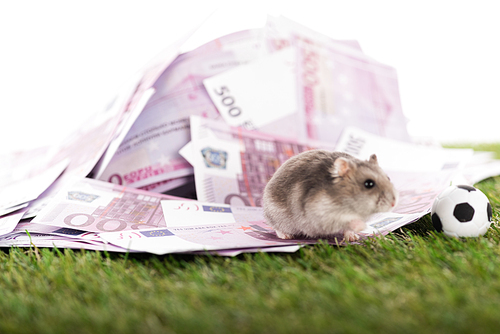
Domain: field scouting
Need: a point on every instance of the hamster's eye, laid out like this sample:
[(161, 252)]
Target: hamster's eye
[(369, 184)]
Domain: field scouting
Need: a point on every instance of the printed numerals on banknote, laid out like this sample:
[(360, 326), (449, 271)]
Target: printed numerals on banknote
[(96, 206)]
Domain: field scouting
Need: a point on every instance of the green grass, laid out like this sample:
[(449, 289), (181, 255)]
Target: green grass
[(412, 281), (491, 147)]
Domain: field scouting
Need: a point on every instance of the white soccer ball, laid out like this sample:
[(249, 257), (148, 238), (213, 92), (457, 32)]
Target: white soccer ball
[(461, 211)]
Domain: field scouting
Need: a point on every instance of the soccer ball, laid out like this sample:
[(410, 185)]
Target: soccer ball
[(461, 211)]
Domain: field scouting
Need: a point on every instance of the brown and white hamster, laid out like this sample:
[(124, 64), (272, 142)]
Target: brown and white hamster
[(320, 193)]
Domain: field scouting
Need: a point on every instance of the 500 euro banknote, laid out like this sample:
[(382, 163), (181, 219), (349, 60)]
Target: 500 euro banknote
[(148, 153), (339, 85), (309, 86), (232, 165), (96, 206)]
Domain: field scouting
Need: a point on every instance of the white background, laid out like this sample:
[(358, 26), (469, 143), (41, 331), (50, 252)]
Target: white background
[(61, 61)]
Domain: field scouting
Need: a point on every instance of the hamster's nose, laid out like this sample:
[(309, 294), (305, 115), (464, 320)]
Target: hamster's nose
[(395, 199)]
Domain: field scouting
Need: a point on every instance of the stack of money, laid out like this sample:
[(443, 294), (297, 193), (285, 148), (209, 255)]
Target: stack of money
[(179, 161)]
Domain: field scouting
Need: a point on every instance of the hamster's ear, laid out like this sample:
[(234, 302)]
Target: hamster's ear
[(373, 159), (340, 168)]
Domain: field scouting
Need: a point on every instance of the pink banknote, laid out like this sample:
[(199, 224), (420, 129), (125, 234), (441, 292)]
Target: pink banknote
[(232, 165), (338, 85), (149, 152), (96, 206)]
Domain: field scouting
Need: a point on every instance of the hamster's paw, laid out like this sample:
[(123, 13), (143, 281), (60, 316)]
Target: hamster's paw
[(350, 235), (282, 235), (357, 225)]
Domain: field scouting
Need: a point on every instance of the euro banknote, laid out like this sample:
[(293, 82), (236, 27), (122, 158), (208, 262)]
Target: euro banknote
[(309, 86), (61, 242), (82, 149), (24, 164), (224, 232), (280, 32), (188, 212), (149, 152), (22, 191), (28, 176), (339, 85), (232, 165), (136, 93), (261, 95), (9, 222), (96, 206)]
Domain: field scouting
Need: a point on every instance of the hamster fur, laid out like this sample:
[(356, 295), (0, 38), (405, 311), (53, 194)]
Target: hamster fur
[(319, 193)]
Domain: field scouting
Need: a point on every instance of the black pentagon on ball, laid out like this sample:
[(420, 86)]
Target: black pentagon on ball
[(463, 212), (436, 222), (466, 187), (488, 211)]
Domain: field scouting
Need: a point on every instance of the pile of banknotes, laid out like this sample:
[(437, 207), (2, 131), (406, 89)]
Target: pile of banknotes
[(179, 160)]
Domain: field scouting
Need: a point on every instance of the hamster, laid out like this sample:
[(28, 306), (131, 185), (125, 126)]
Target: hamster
[(320, 193)]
